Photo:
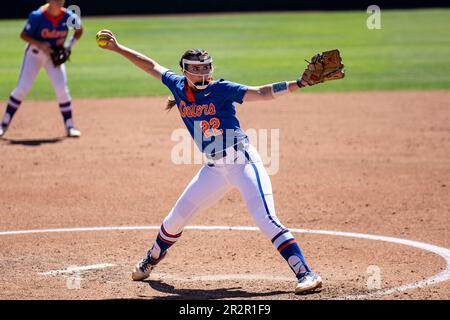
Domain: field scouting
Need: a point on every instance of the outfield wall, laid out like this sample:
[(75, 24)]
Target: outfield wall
[(21, 8)]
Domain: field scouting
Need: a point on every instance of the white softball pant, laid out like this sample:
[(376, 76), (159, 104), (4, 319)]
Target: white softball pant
[(211, 183), (34, 59)]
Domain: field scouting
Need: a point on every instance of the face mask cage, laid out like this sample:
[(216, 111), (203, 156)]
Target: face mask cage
[(199, 85)]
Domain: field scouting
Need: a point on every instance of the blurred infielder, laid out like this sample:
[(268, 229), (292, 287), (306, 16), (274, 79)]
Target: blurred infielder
[(208, 111), (45, 33)]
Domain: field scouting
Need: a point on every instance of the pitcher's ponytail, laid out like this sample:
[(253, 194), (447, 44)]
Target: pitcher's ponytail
[(170, 103)]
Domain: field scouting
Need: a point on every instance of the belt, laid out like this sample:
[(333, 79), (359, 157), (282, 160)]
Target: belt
[(222, 154)]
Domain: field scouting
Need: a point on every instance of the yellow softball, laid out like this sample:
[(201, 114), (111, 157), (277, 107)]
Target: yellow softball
[(101, 40)]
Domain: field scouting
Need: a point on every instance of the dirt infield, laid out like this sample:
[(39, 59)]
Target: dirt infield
[(371, 163)]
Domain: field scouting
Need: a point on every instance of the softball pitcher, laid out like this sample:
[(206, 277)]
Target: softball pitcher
[(45, 32), (207, 108)]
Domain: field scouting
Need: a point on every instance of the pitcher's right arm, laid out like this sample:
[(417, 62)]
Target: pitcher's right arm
[(140, 60)]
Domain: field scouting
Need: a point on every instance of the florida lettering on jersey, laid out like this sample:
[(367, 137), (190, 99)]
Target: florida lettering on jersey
[(211, 111), (195, 110), (46, 28)]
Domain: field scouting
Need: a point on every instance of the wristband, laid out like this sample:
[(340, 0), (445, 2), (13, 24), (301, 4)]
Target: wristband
[(279, 88)]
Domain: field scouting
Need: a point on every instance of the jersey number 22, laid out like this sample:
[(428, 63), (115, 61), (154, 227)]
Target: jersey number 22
[(211, 128)]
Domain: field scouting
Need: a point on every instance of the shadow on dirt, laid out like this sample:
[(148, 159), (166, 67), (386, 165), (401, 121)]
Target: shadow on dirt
[(34, 142), (205, 294)]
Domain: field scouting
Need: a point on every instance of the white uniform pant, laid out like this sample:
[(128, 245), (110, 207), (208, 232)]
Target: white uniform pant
[(212, 182), (34, 59)]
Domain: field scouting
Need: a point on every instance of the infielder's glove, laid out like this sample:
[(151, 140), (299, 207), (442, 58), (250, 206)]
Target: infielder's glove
[(60, 55), (323, 66)]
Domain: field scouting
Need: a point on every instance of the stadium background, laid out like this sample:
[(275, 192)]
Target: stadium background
[(21, 8)]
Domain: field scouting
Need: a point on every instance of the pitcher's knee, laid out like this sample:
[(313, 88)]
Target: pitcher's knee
[(180, 215)]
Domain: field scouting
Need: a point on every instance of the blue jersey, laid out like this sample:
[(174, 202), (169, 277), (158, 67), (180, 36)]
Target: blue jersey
[(210, 114), (44, 27)]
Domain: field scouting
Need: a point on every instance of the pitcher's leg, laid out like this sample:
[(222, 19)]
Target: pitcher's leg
[(206, 188), (254, 184)]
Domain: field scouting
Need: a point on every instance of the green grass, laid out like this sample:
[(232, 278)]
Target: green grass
[(411, 51)]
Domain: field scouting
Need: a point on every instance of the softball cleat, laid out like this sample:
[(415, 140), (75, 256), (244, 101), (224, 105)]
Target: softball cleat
[(3, 129), (73, 133), (309, 282), (143, 269)]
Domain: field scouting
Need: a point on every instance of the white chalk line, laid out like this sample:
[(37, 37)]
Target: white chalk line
[(441, 251), (440, 277), (74, 269)]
